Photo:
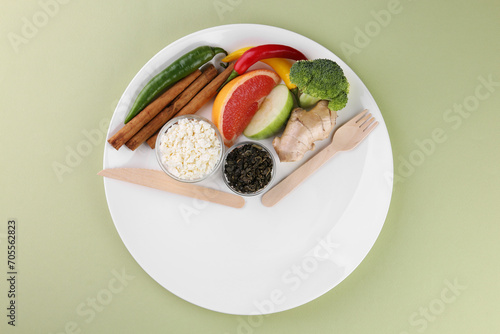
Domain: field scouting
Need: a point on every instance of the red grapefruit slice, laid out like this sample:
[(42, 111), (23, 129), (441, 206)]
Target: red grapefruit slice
[(239, 100)]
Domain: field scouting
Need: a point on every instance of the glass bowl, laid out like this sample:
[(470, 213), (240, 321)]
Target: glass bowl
[(180, 159), (225, 166)]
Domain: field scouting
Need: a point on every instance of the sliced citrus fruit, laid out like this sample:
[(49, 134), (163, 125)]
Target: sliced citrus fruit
[(239, 100)]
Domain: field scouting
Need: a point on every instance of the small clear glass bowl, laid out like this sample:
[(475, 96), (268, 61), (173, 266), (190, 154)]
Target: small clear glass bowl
[(260, 146), (159, 154)]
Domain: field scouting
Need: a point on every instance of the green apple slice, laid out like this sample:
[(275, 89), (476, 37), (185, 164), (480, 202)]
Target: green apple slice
[(272, 114)]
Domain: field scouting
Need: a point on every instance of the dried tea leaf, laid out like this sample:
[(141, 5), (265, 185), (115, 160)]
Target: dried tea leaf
[(248, 168)]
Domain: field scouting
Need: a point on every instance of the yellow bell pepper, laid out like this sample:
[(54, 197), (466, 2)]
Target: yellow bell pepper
[(236, 54), (279, 65)]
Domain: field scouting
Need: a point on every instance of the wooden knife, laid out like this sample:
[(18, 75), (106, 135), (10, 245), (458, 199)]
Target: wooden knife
[(159, 180)]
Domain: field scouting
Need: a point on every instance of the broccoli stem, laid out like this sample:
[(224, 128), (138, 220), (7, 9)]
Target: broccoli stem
[(307, 101)]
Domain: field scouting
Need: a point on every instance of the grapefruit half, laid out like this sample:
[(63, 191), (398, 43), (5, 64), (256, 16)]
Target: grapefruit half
[(238, 101)]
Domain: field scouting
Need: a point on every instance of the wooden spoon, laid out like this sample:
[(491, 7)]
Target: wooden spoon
[(159, 180)]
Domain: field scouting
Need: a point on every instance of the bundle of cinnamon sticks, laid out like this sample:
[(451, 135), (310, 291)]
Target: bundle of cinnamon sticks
[(187, 96)]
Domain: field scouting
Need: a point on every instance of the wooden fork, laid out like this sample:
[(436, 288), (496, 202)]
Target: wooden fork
[(347, 137)]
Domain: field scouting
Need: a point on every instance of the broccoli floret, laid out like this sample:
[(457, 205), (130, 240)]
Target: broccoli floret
[(339, 101), (320, 79)]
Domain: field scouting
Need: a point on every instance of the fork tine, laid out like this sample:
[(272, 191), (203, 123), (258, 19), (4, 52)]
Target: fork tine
[(358, 117), (369, 128), (366, 122), (364, 119)]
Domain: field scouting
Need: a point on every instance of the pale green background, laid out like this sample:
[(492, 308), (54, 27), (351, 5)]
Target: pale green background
[(443, 222)]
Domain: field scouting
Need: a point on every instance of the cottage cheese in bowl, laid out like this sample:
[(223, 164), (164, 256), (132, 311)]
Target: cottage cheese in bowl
[(189, 148)]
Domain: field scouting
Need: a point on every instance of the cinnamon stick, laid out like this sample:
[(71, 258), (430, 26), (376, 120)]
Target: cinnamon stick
[(200, 99), (166, 114), (152, 140), (207, 93), (150, 111)]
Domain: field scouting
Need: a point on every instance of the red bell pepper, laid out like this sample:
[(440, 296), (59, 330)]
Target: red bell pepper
[(265, 51)]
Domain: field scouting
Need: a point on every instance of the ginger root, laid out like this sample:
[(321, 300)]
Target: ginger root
[(303, 129)]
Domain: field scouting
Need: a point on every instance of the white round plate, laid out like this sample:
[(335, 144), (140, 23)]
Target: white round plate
[(254, 260)]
